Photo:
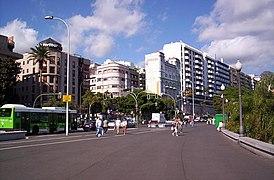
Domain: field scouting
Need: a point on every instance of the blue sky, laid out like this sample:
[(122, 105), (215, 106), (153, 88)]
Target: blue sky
[(129, 29)]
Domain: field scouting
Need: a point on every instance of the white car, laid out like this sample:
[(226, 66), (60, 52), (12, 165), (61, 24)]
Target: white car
[(111, 124)]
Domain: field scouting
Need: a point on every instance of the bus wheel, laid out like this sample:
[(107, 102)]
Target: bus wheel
[(35, 130)]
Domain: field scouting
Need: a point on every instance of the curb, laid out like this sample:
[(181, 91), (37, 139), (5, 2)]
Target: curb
[(12, 135), (256, 146)]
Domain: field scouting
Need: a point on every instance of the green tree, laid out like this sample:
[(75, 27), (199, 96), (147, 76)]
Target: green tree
[(257, 106), (93, 102), (9, 70), (53, 102), (40, 55)]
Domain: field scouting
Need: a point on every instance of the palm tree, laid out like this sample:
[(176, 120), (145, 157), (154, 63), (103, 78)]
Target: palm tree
[(40, 55)]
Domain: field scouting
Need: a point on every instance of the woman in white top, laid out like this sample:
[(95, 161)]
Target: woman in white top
[(124, 125), (117, 125)]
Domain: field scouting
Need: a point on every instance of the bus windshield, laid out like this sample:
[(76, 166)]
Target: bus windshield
[(5, 112)]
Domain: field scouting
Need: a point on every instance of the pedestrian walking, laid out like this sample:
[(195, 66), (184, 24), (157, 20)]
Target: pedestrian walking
[(191, 119), (105, 125), (175, 126), (124, 126), (117, 125), (99, 129)]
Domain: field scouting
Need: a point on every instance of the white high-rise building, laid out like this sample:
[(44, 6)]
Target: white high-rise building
[(199, 75), (162, 76)]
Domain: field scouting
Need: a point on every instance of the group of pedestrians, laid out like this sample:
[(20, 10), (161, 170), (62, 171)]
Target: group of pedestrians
[(123, 124), (102, 126)]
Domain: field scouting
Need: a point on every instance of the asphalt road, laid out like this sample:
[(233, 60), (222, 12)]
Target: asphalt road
[(147, 154)]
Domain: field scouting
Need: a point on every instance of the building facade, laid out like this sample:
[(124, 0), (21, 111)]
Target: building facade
[(6, 48), (113, 77), (200, 76), (162, 76), (54, 75)]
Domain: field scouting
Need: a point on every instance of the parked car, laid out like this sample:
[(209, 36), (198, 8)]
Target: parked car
[(130, 123), (89, 126), (111, 124)]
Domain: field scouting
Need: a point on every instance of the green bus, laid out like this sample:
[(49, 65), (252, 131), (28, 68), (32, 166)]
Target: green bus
[(35, 120)]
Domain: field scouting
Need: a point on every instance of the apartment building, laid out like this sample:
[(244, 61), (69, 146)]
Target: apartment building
[(54, 75), (113, 77), (6, 48), (142, 78), (199, 76), (246, 80), (162, 76)]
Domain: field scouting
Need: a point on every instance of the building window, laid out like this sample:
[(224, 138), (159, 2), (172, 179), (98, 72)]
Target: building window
[(23, 62), (33, 70), (73, 90), (51, 88), (44, 70), (52, 60), (44, 79), (58, 61), (51, 79), (52, 69)]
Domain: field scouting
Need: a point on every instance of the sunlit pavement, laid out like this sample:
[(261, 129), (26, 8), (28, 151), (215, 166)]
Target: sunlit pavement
[(198, 153)]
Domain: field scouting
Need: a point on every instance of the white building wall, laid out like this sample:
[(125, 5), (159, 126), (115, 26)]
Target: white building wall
[(113, 77), (162, 77), (153, 72)]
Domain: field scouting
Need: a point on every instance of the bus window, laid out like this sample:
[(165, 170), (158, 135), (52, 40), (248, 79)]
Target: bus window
[(5, 112)]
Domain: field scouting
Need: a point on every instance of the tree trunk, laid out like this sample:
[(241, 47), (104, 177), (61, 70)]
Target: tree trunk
[(41, 99)]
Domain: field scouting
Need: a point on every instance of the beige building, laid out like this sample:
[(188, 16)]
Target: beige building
[(113, 77), (54, 73)]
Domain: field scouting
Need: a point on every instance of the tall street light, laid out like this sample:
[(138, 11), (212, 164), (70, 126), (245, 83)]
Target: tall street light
[(238, 67), (68, 54), (174, 103), (222, 96)]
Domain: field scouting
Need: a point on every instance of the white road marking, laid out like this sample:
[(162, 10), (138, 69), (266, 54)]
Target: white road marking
[(76, 140)]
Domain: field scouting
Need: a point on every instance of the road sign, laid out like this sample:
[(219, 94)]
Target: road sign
[(66, 98)]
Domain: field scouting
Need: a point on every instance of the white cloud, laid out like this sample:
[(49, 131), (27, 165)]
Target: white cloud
[(24, 37), (241, 29), (108, 20), (99, 45)]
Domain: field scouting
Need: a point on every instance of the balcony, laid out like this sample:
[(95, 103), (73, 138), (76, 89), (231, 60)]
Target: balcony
[(187, 69), (198, 67), (210, 72)]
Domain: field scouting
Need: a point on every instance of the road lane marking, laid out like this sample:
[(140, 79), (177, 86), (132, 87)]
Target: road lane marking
[(76, 140)]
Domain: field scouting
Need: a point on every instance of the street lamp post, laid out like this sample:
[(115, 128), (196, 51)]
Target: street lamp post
[(223, 106), (238, 67), (68, 54), (173, 103), (135, 97)]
